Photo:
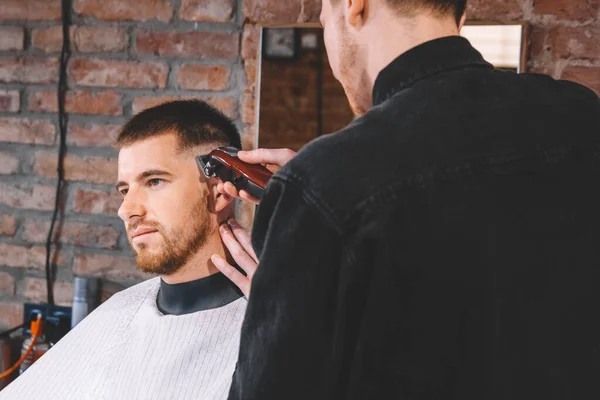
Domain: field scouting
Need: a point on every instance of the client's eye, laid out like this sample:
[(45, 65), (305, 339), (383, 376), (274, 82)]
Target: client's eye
[(155, 182)]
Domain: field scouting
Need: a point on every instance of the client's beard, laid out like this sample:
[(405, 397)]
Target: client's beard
[(178, 246)]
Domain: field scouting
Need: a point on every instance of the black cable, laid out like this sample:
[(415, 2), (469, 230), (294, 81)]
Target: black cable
[(62, 126), (320, 49)]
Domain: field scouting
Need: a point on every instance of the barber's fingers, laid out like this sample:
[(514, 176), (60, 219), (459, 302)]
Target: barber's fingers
[(277, 157), (233, 274), (243, 238), (238, 242), (237, 250), (230, 189)]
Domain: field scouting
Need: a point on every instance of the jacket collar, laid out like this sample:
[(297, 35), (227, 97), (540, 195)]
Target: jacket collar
[(426, 59)]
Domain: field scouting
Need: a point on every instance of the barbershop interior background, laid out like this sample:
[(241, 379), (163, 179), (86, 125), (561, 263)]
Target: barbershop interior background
[(262, 62)]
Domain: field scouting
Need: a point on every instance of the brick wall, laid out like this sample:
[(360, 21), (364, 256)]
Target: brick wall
[(126, 56), (130, 54)]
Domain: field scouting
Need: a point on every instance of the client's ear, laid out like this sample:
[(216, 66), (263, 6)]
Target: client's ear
[(218, 201)]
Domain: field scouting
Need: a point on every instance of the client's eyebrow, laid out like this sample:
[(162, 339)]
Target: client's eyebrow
[(144, 175)]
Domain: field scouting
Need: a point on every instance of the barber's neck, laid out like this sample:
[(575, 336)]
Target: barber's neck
[(199, 265), (391, 36)]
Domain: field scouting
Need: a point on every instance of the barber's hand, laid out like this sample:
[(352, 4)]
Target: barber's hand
[(237, 240), (273, 159)]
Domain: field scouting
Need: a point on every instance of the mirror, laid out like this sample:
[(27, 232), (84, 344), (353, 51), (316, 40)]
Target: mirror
[(299, 98), (501, 45)]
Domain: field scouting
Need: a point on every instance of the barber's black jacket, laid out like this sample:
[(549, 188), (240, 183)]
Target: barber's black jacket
[(445, 245)]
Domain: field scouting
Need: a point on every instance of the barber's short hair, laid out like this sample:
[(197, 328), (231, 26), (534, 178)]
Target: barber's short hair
[(456, 8), (195, 122)]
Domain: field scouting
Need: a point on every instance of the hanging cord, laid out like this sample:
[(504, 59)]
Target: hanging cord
[(62, 126), (36, 330)]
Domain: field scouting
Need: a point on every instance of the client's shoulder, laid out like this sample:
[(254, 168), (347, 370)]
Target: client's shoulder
[(133, 295)]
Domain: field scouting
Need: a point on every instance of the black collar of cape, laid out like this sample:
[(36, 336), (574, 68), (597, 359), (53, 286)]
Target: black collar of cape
[(202, 294)]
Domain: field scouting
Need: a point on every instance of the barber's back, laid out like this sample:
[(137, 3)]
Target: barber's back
[(469, 198)]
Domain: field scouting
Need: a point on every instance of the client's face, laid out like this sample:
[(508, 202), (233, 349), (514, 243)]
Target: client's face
[(165, 204)]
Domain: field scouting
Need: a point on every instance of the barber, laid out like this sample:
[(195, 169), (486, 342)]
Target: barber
[(444, 245)]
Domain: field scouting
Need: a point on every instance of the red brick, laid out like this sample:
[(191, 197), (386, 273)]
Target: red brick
[(125, 10), (580, 43), (94, 135), (539, 46), (36, 291), (83, 38), (568, 9), (11, 38), (87, 168), (7, 283), (28, 196), (206, 10), (11, 314), (282, 12), (10, 101), (28, 70), (9, 164), (249, 137), (249, 107), (497, 10), (12, 255), (100, 39), (189, 44), (96, 201), (587, 76), (21, 130), (113, 73), (251, 72), (107, 266), (78, 102), (203, 77), (48, 39), (249, 100), (30, 10), (8, 226), (76, 233), (250, 42), (227, 105)]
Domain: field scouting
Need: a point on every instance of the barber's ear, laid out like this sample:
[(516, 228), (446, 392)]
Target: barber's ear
[(356, 11), (462, 21), (219, 200)]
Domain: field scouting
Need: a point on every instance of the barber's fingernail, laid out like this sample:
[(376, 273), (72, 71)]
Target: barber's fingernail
[(215, 258), (223, 228)]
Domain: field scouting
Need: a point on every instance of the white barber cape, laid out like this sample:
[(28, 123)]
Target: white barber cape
[(128, 349)]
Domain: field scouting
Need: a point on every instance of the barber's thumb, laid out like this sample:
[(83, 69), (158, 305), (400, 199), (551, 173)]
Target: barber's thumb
[(252, 156)]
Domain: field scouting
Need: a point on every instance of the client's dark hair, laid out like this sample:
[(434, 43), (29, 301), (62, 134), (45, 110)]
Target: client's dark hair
[(195, 122)]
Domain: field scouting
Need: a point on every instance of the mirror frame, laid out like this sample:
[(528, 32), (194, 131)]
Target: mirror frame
[(302, 13)]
